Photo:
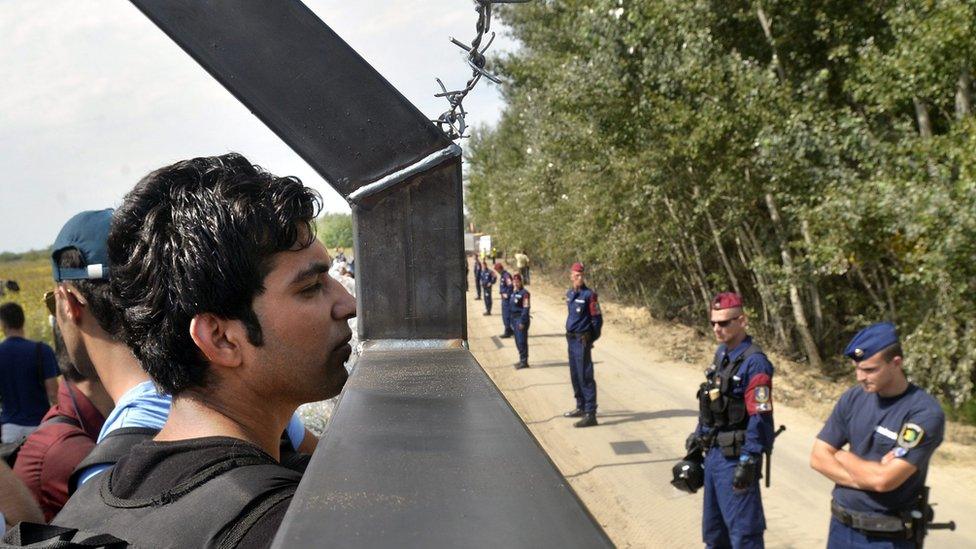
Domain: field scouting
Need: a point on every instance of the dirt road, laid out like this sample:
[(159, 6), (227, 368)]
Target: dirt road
[(622, 468)]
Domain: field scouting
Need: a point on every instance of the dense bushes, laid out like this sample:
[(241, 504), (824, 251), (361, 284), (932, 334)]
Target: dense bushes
[(818, 157)]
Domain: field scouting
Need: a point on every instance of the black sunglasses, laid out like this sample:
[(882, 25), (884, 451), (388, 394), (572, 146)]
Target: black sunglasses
[(723, 323)]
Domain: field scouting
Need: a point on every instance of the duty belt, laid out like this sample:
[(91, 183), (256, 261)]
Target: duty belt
[(872, 523)]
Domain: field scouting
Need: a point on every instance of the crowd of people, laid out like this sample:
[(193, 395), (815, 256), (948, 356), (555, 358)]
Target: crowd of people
[(191, 323), (890, 426)]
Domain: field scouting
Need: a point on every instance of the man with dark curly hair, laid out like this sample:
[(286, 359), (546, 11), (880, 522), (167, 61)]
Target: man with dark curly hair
[(228, 305)]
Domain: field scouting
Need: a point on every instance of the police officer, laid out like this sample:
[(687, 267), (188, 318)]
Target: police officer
[(893, 427), (735, 427), (505, 293), (583, 325), (487, 281), (477, 278), (520, 320)]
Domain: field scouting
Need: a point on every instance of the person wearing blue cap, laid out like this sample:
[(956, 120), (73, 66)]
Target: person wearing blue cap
[(891, 428)]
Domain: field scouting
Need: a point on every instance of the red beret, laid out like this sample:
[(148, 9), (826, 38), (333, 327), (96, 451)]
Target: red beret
[(517, 276), (577, 267), (498, 266), (726, 300)]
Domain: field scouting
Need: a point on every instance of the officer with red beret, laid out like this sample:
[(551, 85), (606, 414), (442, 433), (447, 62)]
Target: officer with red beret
[(891, 428), (735, 427), (520, 320), (583, 325), (505, 294)]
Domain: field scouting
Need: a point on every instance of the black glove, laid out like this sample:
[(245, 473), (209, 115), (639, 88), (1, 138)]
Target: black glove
[(692, 441), (746, 473)]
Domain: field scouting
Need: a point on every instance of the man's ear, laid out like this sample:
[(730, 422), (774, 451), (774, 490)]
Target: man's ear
[(69, 302), (219, 339)]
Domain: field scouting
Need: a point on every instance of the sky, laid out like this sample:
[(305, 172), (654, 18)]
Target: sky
[(95, 97)]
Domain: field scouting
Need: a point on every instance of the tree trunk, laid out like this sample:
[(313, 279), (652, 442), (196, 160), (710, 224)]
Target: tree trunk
[(718, 246), (770, 304), (812, 286), (696, 255), (799, 315), (964, 94), (922, 117), (767, 26)]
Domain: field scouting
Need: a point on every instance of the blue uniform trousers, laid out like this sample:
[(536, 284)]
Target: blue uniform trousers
[(845, 537), (507, 316), (487, 298), (521, 338), (477, 285), (730, 519), (581, 371)]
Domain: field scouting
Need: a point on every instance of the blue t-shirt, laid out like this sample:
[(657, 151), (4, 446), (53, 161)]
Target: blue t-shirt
[(143, 406), (871, 424), (24, 398)]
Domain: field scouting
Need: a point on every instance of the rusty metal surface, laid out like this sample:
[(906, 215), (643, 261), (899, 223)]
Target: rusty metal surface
[(423, 451)]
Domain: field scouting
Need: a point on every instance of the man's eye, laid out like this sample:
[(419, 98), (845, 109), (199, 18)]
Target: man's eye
[(312, 289)]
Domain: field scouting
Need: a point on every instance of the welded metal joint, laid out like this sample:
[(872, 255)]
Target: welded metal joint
[(399, 177)]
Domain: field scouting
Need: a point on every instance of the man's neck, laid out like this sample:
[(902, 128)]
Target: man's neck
[(898, 386), (95, 392), (193, 416), (733, 343), (117, 367), (11, 332)]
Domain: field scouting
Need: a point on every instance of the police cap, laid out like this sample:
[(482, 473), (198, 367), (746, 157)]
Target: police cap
[(871, 340)]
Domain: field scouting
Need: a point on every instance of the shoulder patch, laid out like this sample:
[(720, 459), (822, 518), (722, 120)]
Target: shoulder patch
[(911, 434)]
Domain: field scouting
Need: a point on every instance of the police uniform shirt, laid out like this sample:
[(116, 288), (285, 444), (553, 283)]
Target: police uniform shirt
[(487, 278), (520, 305), (584, 312), (754, 385), (873, 425), (505, 285)]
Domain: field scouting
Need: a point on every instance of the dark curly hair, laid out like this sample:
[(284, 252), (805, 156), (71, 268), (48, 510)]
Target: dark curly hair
[(198, 237)]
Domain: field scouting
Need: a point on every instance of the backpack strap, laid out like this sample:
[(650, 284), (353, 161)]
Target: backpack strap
[(752, 349), (108, 452)]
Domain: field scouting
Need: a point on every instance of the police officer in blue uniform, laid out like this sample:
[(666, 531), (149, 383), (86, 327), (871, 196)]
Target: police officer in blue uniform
[(892, 427), (520, 320), (735, 427), (477, 278), (487, 281), (583, 325), (505, 294)]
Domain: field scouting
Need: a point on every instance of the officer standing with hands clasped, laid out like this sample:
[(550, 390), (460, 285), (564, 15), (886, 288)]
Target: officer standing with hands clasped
[(477, 278), (892, 428), (487, 281), (519, 313), (505, 293), (735, 427), (583, 325)]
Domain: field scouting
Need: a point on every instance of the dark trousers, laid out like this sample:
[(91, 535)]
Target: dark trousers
[(729, 518), (524, 271), (842, 536), (487, 298), (506, 316), (477, 284), (521, 337), (581, 371)]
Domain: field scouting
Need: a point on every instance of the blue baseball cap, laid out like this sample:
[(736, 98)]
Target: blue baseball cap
[(88, 233), (871, 340)]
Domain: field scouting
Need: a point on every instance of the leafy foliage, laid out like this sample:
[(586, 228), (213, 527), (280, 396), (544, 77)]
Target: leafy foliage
[(819, 157), (335, 230)]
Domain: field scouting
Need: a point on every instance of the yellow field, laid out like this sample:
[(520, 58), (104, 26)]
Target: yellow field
[(34, 277)]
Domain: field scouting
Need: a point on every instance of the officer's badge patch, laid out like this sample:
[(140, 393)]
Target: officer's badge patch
[(910, 435), (762, 394)]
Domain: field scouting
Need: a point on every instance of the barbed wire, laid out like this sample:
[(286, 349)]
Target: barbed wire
[(452, 121)]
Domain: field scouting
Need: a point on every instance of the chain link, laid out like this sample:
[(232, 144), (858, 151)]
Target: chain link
[(452, 120)]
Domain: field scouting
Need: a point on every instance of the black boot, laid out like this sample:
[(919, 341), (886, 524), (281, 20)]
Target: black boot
[(505, 336), (589, 420), (574, 413), (521, 364)]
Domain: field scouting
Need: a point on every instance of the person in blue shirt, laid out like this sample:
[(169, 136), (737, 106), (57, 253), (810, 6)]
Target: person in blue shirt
[(583, 324), (477, 279), (891, 428), (505, 294), (735, 427), (487, 281), (520, 320), (28, 377)]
